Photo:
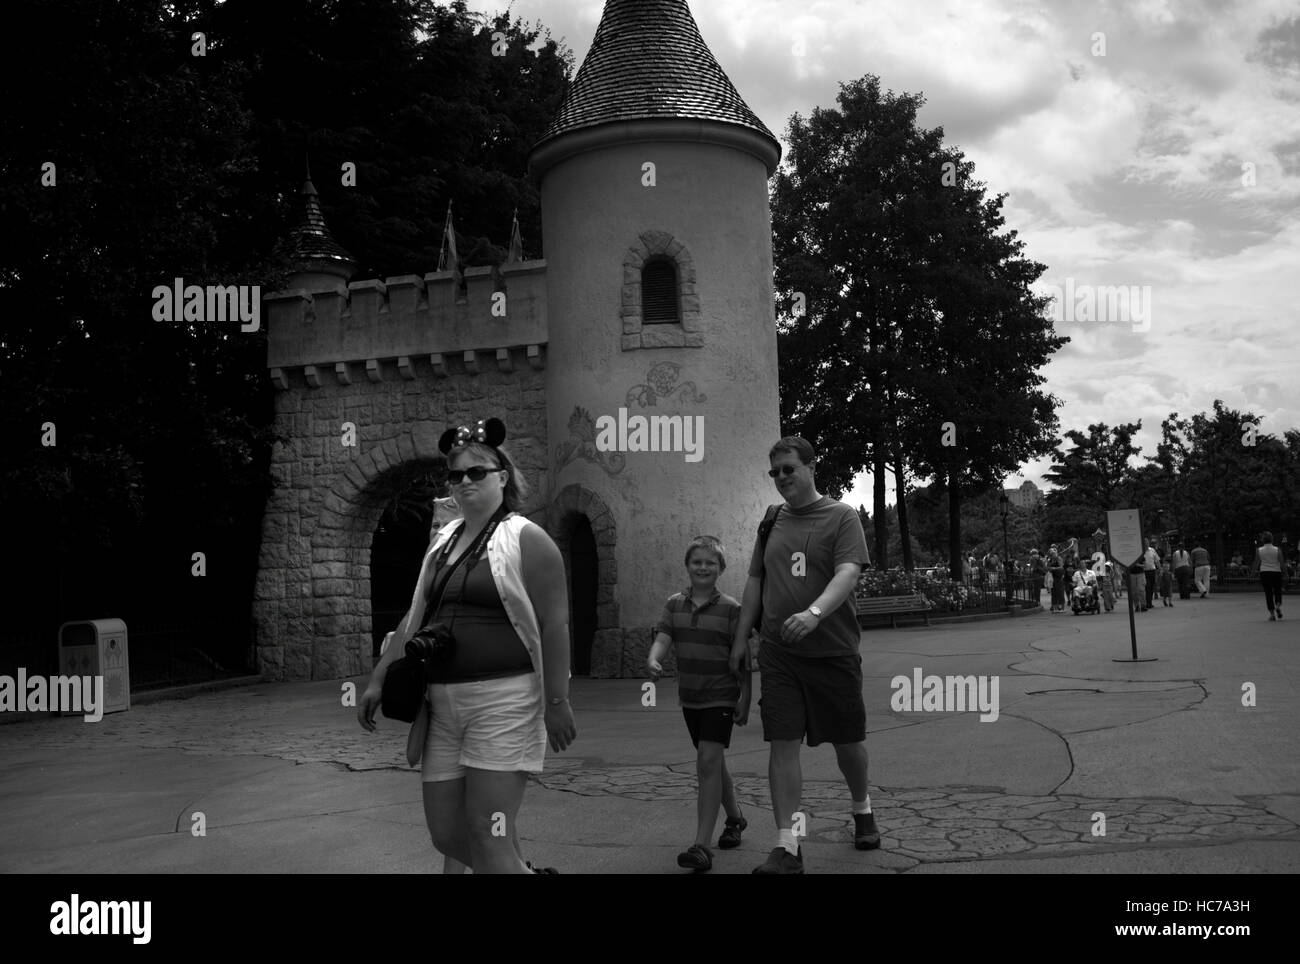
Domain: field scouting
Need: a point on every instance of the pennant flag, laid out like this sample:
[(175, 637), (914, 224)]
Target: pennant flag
[(449, 247), (516, 242)]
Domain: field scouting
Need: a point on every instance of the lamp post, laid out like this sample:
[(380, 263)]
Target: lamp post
[(1006, 555)]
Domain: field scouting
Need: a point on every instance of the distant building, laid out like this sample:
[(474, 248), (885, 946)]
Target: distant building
[(1028, 496)]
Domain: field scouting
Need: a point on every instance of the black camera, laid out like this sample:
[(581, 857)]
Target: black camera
[(432, 644)]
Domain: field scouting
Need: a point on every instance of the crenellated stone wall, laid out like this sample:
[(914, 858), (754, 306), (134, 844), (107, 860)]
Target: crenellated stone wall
[(404, 317)]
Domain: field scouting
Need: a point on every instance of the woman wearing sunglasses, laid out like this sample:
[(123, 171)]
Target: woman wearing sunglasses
[(494, 583)]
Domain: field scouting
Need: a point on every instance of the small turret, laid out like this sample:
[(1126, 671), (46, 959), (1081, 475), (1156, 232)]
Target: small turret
[(320, 262)]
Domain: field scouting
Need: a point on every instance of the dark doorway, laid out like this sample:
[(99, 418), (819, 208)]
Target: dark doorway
[(395, 558), (400, 541), (582, 594)]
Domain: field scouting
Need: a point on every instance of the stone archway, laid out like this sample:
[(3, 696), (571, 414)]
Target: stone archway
[(341, 543), (572, 504), (331, 637)]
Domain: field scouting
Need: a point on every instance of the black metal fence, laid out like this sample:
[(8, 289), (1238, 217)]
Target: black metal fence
[(996, 593), (948, 599)]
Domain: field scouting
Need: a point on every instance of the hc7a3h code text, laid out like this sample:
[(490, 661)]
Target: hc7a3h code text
[(1186, 906)]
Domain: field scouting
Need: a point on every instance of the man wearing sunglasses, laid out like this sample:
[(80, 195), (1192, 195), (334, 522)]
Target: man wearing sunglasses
[(811, 670)]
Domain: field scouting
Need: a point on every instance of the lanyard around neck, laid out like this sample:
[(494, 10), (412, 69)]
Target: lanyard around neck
[(480, 544), (471, 556)]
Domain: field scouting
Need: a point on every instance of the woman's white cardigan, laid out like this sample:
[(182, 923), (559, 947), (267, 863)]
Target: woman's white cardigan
[(506, 562)]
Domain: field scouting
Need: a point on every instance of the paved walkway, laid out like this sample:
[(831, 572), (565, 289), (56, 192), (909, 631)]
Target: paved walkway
[(1187, 778)]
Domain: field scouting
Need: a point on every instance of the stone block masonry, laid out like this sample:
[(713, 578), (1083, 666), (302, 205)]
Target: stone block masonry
[(311, 603)]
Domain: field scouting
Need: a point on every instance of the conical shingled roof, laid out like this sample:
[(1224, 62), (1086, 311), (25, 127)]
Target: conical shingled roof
[(648, 60), (312, 240)]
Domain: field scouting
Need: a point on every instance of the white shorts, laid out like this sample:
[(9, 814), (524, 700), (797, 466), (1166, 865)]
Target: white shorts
[(496, 724)]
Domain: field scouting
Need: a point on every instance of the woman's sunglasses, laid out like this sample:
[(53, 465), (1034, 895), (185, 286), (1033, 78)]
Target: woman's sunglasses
[(476, 474), (783, 470)]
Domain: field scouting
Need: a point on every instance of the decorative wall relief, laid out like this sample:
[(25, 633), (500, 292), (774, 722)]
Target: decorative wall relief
[(661, 384), (581, 444)]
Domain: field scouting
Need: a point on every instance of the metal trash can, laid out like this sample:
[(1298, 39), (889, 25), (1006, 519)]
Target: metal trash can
[(98, 647)]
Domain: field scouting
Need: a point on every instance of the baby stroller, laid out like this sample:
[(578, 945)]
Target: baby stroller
[(1084, 598)]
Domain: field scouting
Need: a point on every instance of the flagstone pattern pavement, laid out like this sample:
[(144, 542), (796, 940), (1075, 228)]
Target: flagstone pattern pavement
[(958, 823), (1166, 751)]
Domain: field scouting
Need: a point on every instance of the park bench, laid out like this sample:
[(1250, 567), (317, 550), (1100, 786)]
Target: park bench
[(892, 606)]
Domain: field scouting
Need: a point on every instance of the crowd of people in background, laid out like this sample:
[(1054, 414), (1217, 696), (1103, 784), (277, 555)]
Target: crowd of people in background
[(1167, 567)]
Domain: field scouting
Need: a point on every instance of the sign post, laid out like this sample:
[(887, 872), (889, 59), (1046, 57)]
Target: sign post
[(1124, 537)]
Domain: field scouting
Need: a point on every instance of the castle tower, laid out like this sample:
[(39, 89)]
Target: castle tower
[(657, 231)]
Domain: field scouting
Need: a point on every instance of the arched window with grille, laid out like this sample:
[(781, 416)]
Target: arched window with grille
[(660, 304)]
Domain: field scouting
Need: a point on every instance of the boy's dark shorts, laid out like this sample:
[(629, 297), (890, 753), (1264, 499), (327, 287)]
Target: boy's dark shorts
[(713, 724), (819, 698)]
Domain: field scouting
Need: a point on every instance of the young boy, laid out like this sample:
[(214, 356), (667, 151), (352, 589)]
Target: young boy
[(701, 623), (1166, 585)]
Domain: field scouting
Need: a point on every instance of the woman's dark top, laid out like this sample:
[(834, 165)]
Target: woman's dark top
[(487, 646)]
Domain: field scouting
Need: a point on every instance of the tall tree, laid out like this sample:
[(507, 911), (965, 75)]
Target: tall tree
[(170, 165), (977, 411), (1093, 475), (1237, 479), (911, 295), (421, 98), (1095, 471)]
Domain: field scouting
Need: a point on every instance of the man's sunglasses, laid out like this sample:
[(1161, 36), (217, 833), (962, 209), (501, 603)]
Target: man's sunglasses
[(476, 474), (783, 470)]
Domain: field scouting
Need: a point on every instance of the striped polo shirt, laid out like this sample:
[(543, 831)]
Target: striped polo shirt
[(702, 638)]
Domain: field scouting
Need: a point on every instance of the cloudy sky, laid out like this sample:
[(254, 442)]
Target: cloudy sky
[(1152, 145)]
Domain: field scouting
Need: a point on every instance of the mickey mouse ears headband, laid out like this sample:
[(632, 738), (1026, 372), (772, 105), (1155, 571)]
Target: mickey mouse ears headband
[(491, 432)]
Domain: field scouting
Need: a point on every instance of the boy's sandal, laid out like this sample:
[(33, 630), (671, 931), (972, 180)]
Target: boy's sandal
[(697, 858), (731, 833)]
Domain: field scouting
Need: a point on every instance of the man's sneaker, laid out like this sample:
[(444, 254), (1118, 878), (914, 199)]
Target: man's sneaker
[(540, 870), (731, 832), (781, 861), (1272, 618), (866, 836), (697, 858), (1279, 612)]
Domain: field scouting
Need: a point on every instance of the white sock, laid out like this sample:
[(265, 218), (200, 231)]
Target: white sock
[(789, 843), (864, 806)]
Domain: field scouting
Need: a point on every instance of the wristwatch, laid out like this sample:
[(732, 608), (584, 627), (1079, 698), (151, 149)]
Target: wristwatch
[(816, 611), (557, 701)]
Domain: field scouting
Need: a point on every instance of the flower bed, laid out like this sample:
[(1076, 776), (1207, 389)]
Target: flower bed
[(942, 593)]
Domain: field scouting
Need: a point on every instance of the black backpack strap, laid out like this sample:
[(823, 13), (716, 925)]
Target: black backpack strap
[(765, 530)]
